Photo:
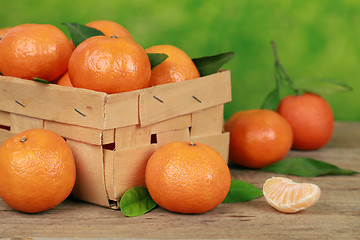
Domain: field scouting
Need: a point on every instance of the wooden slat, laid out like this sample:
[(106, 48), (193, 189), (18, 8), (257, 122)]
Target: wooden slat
[(129, 169), (5, 135), (52, 102), (90, 179), (174, 99), (179, 135), (109, 173), (220, 142), (207, 121), (175, 123), (122, 109), (132, 137), (82, 134), (21, 123), (4, 119)]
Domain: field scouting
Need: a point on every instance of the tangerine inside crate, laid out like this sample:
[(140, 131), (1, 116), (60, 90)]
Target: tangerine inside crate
[(113, 135)]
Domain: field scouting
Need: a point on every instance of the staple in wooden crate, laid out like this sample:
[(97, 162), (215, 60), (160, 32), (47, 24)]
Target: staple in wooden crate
[(177, 98), (113, 135), (52, 102)]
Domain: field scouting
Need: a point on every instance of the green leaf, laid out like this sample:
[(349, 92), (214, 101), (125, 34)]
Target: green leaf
[(272, 100), (156, 59), (306, 167), (321, 85), (80, 33), (40, 80), (136, 201), (211, 64), (241, 192)]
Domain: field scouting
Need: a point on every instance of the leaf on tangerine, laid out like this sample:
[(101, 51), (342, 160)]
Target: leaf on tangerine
[(80, 33), (41, 80), (156, 59), (211, 64)]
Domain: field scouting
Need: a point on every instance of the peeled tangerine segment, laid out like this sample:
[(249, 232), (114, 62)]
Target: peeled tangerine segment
[(287, 196)]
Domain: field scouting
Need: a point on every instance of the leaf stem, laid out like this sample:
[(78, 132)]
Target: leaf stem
[(280, 67)]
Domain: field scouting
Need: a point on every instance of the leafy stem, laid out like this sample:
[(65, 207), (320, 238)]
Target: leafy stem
[(280, 70)]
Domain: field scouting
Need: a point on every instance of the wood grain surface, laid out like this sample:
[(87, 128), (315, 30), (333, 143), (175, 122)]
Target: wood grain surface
[(335, 216)]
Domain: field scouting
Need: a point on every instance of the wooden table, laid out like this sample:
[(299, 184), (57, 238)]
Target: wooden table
[(335, 216)]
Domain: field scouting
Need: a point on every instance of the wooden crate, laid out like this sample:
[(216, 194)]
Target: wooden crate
[(113, 135)]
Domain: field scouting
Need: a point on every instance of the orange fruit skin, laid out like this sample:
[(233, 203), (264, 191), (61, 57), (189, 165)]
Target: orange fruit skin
[(35, 50), (110, 65), (187, 179), (176, 68), (311, 120), (3, 31), (258, 138), (110, 28), (65, 80), (38, 173)]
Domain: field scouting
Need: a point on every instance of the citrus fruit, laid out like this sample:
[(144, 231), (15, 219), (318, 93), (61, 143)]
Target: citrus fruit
[(110, 65), (3, 31), (65, 80), (176, 68), (258, 138), (187, 177), (35, 50), (110, 28), (288, 196), (311, 119), (37, 170)]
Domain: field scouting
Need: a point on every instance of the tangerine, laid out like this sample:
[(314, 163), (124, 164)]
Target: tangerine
[(35, 50), (311, 119), (176, 68), (37, 170), (3, 31), (258, 138), (187, 177), (65, 80), (110, 28), (110, 65), (287, 196)]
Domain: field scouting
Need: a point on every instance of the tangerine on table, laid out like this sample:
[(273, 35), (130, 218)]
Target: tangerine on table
[(110, 28), (258, 138), (35, 50), (187, 177), (110, 65), (37, 170), (177, 67), (311, 120), (287, 196)]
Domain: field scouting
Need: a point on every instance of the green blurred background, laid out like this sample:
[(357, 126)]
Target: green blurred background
[(318, 39)]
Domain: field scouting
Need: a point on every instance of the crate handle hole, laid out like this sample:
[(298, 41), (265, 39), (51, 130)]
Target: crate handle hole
[(153, 139), (7, 128)]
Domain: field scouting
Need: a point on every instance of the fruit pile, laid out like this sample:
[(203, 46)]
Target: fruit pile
[(37, 169), (110, 61)]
